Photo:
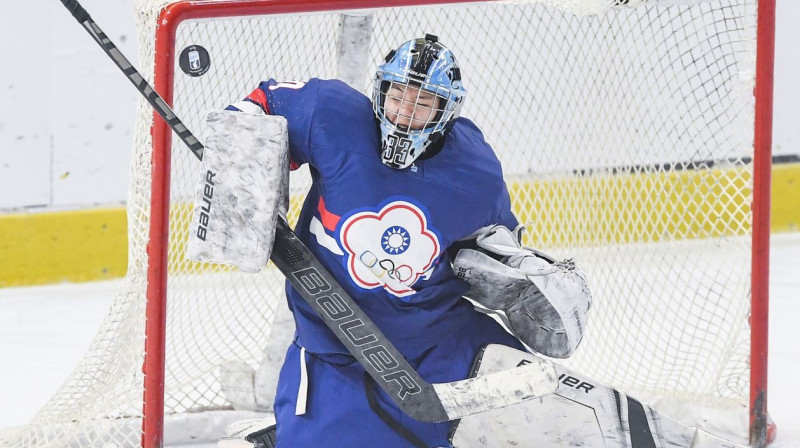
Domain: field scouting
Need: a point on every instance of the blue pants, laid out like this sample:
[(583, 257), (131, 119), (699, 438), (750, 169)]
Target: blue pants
[(338, 412)]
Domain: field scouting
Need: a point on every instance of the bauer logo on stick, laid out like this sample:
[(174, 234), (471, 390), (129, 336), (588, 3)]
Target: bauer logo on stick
[(358, 336)]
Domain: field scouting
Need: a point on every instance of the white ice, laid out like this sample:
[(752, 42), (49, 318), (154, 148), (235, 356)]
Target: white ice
[(45, 330)]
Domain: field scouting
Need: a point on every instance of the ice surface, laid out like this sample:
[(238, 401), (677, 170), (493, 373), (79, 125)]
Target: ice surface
[(45, 330)]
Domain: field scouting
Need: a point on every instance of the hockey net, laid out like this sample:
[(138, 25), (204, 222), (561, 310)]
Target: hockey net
[(626, 136)]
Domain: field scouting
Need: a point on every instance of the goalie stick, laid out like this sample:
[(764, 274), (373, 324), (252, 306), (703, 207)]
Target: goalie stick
[(410, 392)]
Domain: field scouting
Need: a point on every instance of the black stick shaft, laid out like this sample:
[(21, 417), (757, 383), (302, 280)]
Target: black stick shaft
[(316, 285), (135, 77), (362, 338), (77, 10)]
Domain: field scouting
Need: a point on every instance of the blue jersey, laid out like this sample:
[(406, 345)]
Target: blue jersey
[(383, 233)]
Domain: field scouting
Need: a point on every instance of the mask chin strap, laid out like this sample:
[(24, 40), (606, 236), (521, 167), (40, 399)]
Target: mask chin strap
[(437, 142), (435, 147)]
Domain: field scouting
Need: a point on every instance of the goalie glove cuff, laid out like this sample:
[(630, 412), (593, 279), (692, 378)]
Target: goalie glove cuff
[(504, 244), (499, 240)]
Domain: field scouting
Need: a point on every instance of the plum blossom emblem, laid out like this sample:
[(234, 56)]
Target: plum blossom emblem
[(391, 248)]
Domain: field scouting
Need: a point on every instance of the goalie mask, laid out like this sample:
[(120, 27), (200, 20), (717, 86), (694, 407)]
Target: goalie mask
[(417, 95)]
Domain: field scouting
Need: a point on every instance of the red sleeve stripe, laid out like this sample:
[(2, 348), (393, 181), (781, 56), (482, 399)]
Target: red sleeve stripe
[(329, 220), (260, 98)]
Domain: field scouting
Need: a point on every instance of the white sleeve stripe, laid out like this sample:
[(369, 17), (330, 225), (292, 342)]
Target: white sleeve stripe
[(323, 239), (302, 389), (249, 107)]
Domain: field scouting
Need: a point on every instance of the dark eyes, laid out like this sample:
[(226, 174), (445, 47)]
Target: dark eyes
[(397, 95)]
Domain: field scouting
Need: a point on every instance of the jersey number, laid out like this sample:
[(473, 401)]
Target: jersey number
[(397, 149), (288, 85)]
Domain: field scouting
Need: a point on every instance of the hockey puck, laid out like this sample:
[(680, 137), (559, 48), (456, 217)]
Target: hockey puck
[(194, 60)]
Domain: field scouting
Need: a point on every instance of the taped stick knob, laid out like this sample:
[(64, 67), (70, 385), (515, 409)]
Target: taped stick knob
[(76, 9)]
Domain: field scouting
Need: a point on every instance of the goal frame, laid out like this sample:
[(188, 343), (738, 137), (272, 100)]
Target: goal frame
[(165, 38)]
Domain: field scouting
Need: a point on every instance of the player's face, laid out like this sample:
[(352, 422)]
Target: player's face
[(409, 107)]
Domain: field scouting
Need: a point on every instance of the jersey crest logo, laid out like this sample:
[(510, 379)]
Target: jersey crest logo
[(391, 248)]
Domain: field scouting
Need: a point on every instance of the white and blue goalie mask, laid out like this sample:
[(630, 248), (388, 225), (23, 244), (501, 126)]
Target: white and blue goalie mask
[(417, 94)]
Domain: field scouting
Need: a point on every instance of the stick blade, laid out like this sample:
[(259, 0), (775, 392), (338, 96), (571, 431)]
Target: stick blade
[(532, 379)]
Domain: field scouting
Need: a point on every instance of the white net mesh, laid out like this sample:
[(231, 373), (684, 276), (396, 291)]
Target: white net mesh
[(626, 137)]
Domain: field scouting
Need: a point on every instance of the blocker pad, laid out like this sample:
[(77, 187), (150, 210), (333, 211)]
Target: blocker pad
[(241, 189)]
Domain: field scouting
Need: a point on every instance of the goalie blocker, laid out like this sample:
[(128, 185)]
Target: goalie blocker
[(242, 188)]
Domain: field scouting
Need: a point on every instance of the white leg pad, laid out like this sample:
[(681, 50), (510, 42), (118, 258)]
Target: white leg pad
[(581, 412), (242, 188)]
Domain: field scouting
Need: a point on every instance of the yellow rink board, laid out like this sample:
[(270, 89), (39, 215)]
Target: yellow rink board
[(73, 246), (91, 244)]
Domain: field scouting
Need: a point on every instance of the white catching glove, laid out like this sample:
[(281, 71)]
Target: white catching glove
[(545, 302)]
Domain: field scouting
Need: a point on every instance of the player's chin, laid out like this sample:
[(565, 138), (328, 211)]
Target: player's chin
[(400, 127)]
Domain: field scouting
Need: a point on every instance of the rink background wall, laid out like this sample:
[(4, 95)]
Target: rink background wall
[(91, 244), (66, 130)]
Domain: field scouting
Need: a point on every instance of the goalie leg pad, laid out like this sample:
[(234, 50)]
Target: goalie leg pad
[(243, 186), (265, 438), (250, 433), (581, 412)]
